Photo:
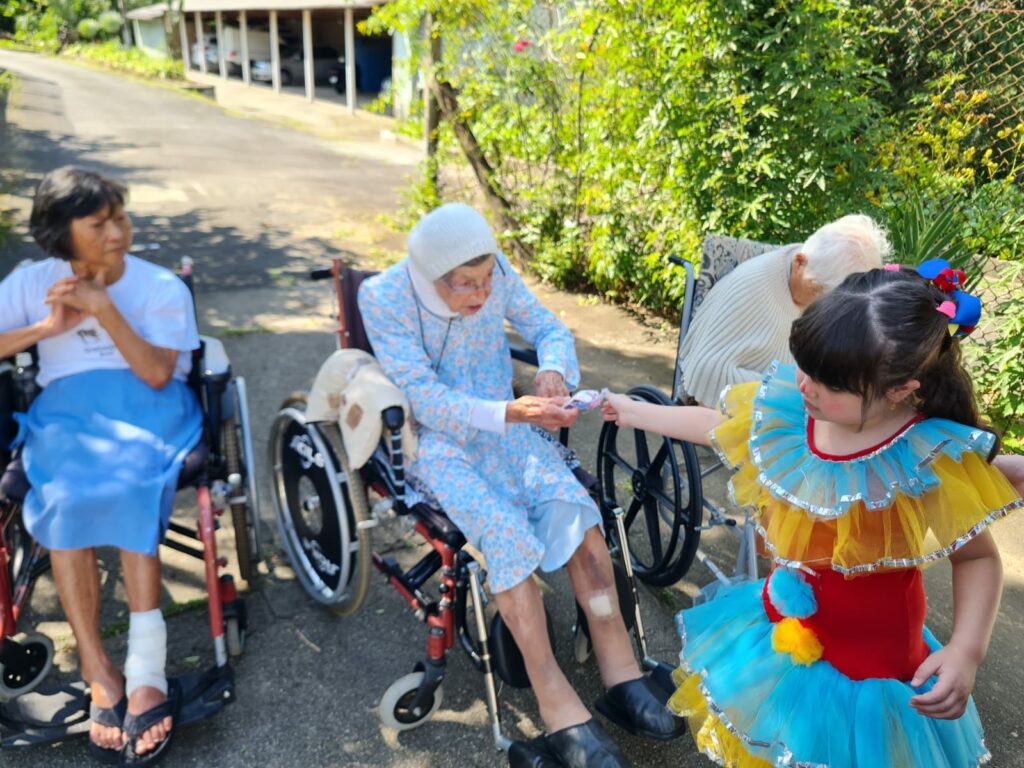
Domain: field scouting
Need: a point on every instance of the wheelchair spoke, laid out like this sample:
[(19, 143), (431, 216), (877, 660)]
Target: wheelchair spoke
[(659, 458), (643, 456), (621, 462), (653, 519), (631, 513)]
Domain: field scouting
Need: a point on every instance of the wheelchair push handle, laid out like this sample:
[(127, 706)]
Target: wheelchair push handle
[(325, 273), (679, 262)]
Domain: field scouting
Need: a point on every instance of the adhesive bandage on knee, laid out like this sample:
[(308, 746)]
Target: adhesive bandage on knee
[(602, 604), (147, 651)]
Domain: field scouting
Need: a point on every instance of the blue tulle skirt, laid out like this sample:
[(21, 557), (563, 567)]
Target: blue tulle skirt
[(791, 714), (103, 451)]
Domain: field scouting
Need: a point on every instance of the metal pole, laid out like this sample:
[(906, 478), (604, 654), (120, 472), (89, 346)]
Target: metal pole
[(350, 61), (275, 54), (500, 740), (307, 53)]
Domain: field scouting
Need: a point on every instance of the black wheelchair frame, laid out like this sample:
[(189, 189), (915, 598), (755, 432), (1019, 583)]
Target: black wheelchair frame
[(35, 710), (326, 522), (666, 485)]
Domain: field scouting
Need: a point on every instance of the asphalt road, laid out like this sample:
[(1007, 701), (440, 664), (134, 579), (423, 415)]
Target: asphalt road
[(257, 204)]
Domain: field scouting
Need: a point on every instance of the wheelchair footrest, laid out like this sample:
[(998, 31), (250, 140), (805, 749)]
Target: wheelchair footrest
[(204, 694), (53, 712)]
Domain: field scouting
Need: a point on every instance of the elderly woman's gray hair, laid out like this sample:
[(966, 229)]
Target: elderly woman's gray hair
[(854, 243)]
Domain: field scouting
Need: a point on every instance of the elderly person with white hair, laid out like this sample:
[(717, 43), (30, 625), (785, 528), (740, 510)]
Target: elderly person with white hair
[(743, 324), (436, 321)]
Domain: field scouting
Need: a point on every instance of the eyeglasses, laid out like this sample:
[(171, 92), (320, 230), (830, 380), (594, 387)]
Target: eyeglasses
[(470, 287)]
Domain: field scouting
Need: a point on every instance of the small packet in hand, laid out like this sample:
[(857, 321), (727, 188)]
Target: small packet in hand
[(586, 399)]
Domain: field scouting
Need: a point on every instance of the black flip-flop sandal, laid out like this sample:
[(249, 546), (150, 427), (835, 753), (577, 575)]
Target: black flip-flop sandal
[(136, 725), (112, 717)]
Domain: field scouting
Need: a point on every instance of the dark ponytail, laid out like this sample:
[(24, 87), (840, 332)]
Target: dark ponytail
[(880, 329)]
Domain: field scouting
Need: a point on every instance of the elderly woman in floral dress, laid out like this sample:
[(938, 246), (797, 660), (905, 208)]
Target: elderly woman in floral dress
[(436, 321)]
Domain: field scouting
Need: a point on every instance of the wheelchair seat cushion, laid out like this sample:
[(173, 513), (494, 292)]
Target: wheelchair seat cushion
[(102, 453)]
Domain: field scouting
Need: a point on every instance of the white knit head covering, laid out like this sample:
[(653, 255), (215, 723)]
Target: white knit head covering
[(448, 237)]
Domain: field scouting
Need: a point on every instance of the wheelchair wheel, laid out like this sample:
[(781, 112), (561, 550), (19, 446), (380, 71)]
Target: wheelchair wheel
[(241, 521), (320, 502), (395, 704), (27, 662), (656, 480)]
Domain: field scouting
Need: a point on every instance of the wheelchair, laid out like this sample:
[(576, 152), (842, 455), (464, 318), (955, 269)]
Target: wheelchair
[(658, 480), (35, 710), (327, 511)]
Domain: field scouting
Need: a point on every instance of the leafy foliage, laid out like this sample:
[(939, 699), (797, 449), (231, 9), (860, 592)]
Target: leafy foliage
[(112, 55)]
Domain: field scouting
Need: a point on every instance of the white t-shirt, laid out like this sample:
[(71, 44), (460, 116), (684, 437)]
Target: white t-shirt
[(153, 300)]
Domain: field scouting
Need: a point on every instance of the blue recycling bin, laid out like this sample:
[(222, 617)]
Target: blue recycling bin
[(373, 62)]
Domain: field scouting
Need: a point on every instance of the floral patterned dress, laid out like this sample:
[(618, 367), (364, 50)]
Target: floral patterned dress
[(812, 666), (510, 494)]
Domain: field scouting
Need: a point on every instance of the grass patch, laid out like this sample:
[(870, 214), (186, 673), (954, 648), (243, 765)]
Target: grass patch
[(112, 55), (116, 628), (233, 332)]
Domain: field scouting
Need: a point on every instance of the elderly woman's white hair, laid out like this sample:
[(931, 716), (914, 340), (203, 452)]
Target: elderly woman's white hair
[(854, 243)]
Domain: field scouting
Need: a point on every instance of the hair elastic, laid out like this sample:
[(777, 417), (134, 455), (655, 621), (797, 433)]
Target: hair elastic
[(891, 267)]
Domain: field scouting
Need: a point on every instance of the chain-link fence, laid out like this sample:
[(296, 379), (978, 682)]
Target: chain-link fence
[(975, 48)]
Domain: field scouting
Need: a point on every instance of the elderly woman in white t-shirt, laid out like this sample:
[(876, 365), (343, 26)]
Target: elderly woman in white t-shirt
[(103, 442)]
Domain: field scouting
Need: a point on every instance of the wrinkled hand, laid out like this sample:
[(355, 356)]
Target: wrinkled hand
[(615, 408), (61, 318), (550, 384), (947, 700), (546, 412), (89, 297)]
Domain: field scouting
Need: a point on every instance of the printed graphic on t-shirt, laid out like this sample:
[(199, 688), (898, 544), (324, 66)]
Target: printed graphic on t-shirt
[(95, 342)]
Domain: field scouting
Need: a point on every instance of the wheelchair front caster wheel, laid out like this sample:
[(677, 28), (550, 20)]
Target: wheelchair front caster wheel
[(26, 661), (395, 704), (234, 637)]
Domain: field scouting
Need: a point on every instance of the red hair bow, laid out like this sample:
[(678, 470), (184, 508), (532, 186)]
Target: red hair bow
[(949, 280)]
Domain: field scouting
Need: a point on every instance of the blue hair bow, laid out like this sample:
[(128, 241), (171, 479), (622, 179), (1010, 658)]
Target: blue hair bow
[(951, 281)]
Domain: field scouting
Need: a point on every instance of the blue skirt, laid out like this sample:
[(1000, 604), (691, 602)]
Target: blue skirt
[(103, 451)]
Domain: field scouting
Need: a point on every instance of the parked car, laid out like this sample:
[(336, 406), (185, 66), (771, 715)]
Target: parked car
[(292, 67)]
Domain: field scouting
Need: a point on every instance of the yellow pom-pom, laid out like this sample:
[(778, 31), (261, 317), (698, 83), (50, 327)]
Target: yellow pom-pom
[(800, 642)]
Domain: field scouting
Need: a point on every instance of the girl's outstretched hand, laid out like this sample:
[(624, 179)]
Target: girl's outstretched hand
[(948, 699), (614, 408)]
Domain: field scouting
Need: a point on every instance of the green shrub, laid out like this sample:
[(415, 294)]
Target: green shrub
[(110, 23), (88, 29)]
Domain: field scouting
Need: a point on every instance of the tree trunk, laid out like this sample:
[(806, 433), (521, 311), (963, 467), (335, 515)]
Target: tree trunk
[(448, 104)]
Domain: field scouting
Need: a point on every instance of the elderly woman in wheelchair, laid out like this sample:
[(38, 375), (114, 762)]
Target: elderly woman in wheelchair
[(103, 442), (437, 325)]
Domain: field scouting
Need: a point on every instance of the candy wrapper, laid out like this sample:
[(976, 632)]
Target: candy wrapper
[(586, 399)]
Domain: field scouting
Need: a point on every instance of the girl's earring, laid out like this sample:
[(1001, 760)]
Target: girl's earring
[(892, 405)]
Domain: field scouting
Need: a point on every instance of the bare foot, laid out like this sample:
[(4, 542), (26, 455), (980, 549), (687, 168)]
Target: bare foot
[(107, 688), (142, 700)]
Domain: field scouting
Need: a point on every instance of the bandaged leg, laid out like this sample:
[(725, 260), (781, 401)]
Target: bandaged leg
[(147, 652), (590, 570)]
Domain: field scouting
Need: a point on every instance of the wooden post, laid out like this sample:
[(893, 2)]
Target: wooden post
[(350, 61), (201, 39), (222, 62), (307, 53), (186, 57), (275, 54), (243, 30)]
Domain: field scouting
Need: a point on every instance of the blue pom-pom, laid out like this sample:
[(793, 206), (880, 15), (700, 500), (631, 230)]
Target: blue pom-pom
[(790, 594)]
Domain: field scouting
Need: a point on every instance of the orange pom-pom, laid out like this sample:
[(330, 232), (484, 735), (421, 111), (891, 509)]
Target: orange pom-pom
[(800, 642)]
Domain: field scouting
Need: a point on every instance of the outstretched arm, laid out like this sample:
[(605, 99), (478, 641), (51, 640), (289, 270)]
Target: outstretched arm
[(977, 587), (692, 423)]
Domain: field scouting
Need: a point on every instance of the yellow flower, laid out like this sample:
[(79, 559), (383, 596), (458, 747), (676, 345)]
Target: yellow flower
[(800, 642)]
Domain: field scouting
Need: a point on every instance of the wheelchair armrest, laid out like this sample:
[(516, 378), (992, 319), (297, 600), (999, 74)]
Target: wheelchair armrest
[(525, 355)]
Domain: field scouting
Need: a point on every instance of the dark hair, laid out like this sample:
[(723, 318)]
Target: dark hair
[(880, 329), (70, 193)]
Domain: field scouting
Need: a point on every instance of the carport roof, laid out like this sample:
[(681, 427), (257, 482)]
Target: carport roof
[(275, 5), (148, 13)]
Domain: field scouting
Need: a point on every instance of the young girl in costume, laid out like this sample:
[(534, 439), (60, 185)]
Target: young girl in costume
[(865, 462)]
